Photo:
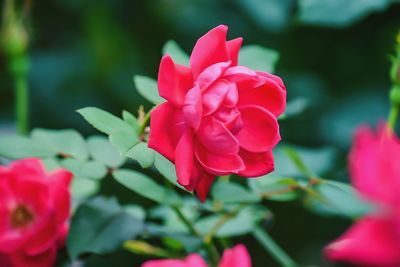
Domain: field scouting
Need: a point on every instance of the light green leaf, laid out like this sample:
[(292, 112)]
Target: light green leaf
[(340, 199), (147, 87), (241, 224), (273, 188), (258, 58), (228, 192), (90, 169), (130, 119), (142, 154), (103, 121), (65, 142), (338, 13), (167, 169), (144, 186), (123, 141), (176, 52), (17, 147), (83, 188), (101, 226), (102, 151)]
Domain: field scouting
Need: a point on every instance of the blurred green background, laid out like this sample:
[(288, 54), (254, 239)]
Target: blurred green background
[(334, 59)]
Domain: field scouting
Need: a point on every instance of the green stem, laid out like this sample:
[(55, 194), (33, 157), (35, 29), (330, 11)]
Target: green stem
[(393, 114), (21, 107), (211, 249), (272, 247), (19, 66)]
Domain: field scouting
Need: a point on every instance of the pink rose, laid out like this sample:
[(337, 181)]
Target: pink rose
[(219, 118), (235, 257), (34, 209), (375, 172)]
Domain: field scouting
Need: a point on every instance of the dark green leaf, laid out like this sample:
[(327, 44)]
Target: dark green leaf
[(101, 226)]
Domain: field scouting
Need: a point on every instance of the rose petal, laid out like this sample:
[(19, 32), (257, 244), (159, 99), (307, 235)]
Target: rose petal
[(204, 185), (193, 260), (165, 129), (369, 242), (244, 77), (46, 259), (236, 257), (215, 96), (174, 81), (209, 49), (193, 107), (218, 164), (257, 164), (211, 74), (271, 96), (260, 130), (184, 156), (213, 135), (233, 47)]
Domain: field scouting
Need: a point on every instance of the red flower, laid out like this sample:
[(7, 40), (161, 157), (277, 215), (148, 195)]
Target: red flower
[(219, 118), (235, 257), (375, 172), (34, 208)]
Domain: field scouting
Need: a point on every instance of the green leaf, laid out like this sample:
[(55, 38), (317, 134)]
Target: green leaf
[(241, 224), (176, 52), (66, 142), (123, 141), (17, 147), (103, 121), (130, 119), (258, 58), (340, 199), (273, 188), (101, 226), (83, 188), (142, 154), (102, 151), (144, 186), (147, 87), (167, 169), (338, 13), (90, 169), (232, 193)]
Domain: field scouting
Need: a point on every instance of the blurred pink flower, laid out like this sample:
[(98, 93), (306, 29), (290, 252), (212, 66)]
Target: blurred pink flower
[(375, 172), (235, 257), (219, 118), (34, 209)]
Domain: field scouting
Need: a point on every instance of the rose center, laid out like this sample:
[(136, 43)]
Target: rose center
[(21, 216)]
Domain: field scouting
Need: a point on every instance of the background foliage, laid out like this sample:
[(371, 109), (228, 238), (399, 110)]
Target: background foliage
[(333, 56)]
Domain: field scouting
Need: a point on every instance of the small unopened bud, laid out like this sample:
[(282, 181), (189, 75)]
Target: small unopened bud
[(14, 39)]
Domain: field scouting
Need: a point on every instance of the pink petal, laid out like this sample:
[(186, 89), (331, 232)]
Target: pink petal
[(209, 49), (215, 96), (165, 130), (218, 164), (193, 107), (238, 256), (369, 242), (32, 168), (233, 47), (374, 166), (204, 185), (260, 130), (174, 81), (257, 164), (184, 157), (193, 260), (271, 95), (45, 259), (213, 135), (211, 74), (232, 97)]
